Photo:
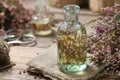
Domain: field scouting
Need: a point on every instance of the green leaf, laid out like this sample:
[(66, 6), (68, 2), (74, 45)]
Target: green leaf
[(117, 17)]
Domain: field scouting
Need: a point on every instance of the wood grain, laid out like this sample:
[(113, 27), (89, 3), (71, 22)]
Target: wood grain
[(20, 56)]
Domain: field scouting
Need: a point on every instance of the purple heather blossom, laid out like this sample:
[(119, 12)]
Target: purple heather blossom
[(108, 49), (4, 4), (13, 15), (116, 5), (2, 17), (119, 73), (106, 42), (100, 28), (12, 8), (95, 37), (109, 10)]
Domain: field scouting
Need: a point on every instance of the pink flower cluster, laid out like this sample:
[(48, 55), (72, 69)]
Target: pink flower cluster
[(13, 15), (105, 44)]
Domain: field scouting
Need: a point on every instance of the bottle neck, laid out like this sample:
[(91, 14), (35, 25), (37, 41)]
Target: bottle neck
[(71, 17)]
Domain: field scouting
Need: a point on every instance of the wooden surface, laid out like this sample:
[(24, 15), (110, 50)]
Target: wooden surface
[(21, 55), (47, 64)]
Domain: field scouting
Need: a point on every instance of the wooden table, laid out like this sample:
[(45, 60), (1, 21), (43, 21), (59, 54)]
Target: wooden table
[(21, 55)]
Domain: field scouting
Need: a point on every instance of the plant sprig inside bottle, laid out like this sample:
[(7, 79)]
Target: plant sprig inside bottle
[(71, 42)]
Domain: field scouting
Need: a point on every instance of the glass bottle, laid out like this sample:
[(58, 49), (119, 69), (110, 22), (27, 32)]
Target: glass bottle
[(41, 21), (71, 41)]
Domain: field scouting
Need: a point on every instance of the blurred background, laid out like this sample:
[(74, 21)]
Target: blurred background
[(90, 10), (36, 21)]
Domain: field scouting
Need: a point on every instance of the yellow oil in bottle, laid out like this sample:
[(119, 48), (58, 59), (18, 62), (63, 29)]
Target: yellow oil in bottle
[(41, 27)]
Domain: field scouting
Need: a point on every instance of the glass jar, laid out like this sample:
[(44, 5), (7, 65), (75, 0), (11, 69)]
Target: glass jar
[(71, 41), (41, 21)]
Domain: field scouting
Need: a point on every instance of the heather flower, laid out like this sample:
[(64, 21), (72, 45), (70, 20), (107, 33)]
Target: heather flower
[(99, 28), (4, 5), (14, 15), (2, 17), (105, 43)]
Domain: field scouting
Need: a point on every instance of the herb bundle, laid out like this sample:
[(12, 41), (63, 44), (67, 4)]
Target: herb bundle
[(105, 44), (13, 15)]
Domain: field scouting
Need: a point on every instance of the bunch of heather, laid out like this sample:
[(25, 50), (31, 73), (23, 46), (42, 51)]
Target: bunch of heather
[(105, 44), (13, 15)]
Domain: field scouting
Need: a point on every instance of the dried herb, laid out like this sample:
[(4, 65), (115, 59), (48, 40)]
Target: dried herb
[(105, 44), (13, 15)]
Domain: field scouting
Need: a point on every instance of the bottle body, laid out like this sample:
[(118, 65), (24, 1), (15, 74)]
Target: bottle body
[(72, 38)]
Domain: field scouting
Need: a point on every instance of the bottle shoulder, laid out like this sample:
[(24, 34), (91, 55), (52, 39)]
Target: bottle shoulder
[(75, 25)]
